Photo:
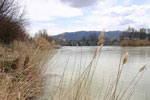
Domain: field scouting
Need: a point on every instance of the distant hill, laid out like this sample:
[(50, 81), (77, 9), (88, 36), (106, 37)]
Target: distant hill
[(86, 34)]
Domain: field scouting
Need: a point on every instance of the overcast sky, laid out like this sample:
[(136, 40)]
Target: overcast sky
[(59, 16)]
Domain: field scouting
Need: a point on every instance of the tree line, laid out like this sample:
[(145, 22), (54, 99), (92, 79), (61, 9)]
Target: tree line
[(133, 34)]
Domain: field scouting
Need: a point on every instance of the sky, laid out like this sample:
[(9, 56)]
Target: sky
[(58, 16)]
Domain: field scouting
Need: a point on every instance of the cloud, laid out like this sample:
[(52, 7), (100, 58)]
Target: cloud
[(119, 17), (43, 10), (80, 3), (126, 22)]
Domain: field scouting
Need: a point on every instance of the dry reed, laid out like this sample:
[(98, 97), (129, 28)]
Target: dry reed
[(22, 69)]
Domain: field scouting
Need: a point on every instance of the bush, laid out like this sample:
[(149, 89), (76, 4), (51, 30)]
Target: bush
[(12, 22)]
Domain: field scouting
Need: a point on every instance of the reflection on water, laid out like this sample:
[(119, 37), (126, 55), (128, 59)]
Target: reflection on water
[(77, 59)]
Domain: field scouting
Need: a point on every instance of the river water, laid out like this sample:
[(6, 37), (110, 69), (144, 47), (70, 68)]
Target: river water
[(77, 59)]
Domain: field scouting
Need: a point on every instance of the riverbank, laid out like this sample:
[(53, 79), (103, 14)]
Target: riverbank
[(135, 43)]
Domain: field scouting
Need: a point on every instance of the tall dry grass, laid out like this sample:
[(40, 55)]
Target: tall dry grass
[(22, 69)]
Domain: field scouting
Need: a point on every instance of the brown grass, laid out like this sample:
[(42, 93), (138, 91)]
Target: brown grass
[(22, 69)]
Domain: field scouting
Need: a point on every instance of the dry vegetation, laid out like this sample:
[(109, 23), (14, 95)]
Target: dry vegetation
[(22, 69), (135, 43)]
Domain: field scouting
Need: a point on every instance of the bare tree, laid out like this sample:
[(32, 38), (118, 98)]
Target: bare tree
[(12, 22), (43, 33)]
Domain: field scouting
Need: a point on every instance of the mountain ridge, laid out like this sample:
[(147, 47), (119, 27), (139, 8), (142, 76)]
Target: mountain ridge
[(79, 35)]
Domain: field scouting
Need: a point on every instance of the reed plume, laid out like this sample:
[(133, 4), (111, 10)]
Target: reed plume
[(142, 68), (125, 58), (100, 41)]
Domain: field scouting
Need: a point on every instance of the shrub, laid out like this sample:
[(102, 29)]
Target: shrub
[(12, 22)]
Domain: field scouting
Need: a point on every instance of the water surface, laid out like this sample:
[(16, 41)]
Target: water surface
[(78, 58)]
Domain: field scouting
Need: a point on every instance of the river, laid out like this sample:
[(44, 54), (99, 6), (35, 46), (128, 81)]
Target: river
[(78, 58)]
